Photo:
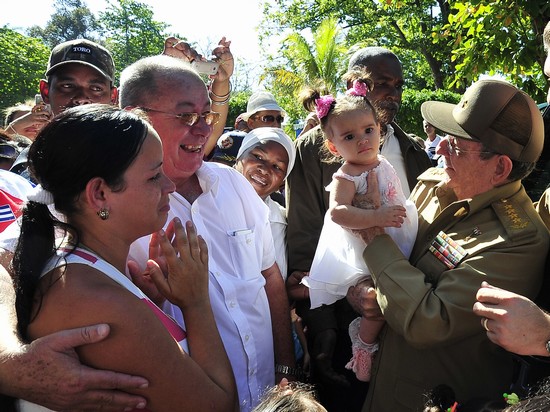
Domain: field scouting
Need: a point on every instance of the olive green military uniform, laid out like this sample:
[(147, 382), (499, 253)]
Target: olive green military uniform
[(432, 336)]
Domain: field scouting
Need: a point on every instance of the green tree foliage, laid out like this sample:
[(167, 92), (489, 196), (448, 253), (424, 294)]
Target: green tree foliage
[(409, 116), (304, 62), (23, 64), (130, 32), (443, 44), (404, 26), (237, 105), (320, 60), (72, 19), (499, 37)]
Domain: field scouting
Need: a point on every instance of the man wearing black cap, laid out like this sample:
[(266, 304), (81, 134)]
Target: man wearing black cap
[(476, 223), (79, 72)]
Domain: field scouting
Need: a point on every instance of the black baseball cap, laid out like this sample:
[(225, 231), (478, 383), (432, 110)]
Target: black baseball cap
[(83, 52)]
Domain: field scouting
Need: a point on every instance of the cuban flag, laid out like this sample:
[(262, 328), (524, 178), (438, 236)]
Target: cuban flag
[(13, 194)]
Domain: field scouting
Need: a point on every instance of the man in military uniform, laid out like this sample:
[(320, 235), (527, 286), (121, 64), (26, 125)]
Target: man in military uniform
[(476, 223), (513, 321)]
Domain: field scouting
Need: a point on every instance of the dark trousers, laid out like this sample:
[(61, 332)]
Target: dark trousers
[(338, 316)]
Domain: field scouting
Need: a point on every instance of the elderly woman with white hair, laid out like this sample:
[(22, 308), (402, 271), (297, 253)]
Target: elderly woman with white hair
[(265, 158)]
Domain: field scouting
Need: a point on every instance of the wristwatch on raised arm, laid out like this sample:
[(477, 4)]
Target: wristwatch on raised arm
[(287, 370)]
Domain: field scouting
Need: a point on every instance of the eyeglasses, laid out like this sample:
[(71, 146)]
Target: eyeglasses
[(190, 119), (268, 118), (453, 149)]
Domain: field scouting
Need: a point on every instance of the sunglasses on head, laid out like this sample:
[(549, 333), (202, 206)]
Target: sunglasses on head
[(268, 118), (8, 151)]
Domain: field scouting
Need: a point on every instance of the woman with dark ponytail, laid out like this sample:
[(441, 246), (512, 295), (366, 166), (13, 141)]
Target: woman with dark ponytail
[(100, 169)]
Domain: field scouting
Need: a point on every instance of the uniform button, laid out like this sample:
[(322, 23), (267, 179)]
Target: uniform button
[(246, 338)]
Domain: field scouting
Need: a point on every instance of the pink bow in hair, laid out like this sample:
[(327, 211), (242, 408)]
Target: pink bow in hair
[(323, 105), (359, 88)]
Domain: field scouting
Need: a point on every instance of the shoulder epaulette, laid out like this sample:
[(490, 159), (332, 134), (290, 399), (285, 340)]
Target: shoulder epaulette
[(514, 219), (433, 174)]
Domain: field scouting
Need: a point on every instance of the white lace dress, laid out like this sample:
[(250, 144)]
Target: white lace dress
[(338, 263)]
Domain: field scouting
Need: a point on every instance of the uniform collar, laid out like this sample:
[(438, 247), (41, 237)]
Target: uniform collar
[(447, 197)]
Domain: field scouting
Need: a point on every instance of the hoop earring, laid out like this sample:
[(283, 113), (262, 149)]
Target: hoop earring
[(103, 214)]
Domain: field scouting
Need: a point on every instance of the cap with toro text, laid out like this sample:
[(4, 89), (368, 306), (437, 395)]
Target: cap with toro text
[(496, 113), (83, 52)]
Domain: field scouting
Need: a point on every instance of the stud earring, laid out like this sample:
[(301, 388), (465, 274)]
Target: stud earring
[(103, 214)]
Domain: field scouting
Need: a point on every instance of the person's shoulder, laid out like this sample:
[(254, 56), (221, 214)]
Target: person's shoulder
[(223, 171), (229, 177), (519, 217), (416, 139), (433, 174), (427, 182), (312, 138), (217, 167), (276, 209)]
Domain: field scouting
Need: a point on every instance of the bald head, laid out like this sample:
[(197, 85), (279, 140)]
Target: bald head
[(364, 56), (147, 78)]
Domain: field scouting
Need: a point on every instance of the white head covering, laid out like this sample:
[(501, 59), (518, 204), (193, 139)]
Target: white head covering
[(265, 134)]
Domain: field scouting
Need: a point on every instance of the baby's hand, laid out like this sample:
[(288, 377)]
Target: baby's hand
[(391, 216)]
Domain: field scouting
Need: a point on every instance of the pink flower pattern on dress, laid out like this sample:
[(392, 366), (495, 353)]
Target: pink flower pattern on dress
[(390, 194)]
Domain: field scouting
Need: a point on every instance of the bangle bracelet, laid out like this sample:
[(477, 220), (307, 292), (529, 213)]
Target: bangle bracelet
[(225, 96), (220, 102)]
